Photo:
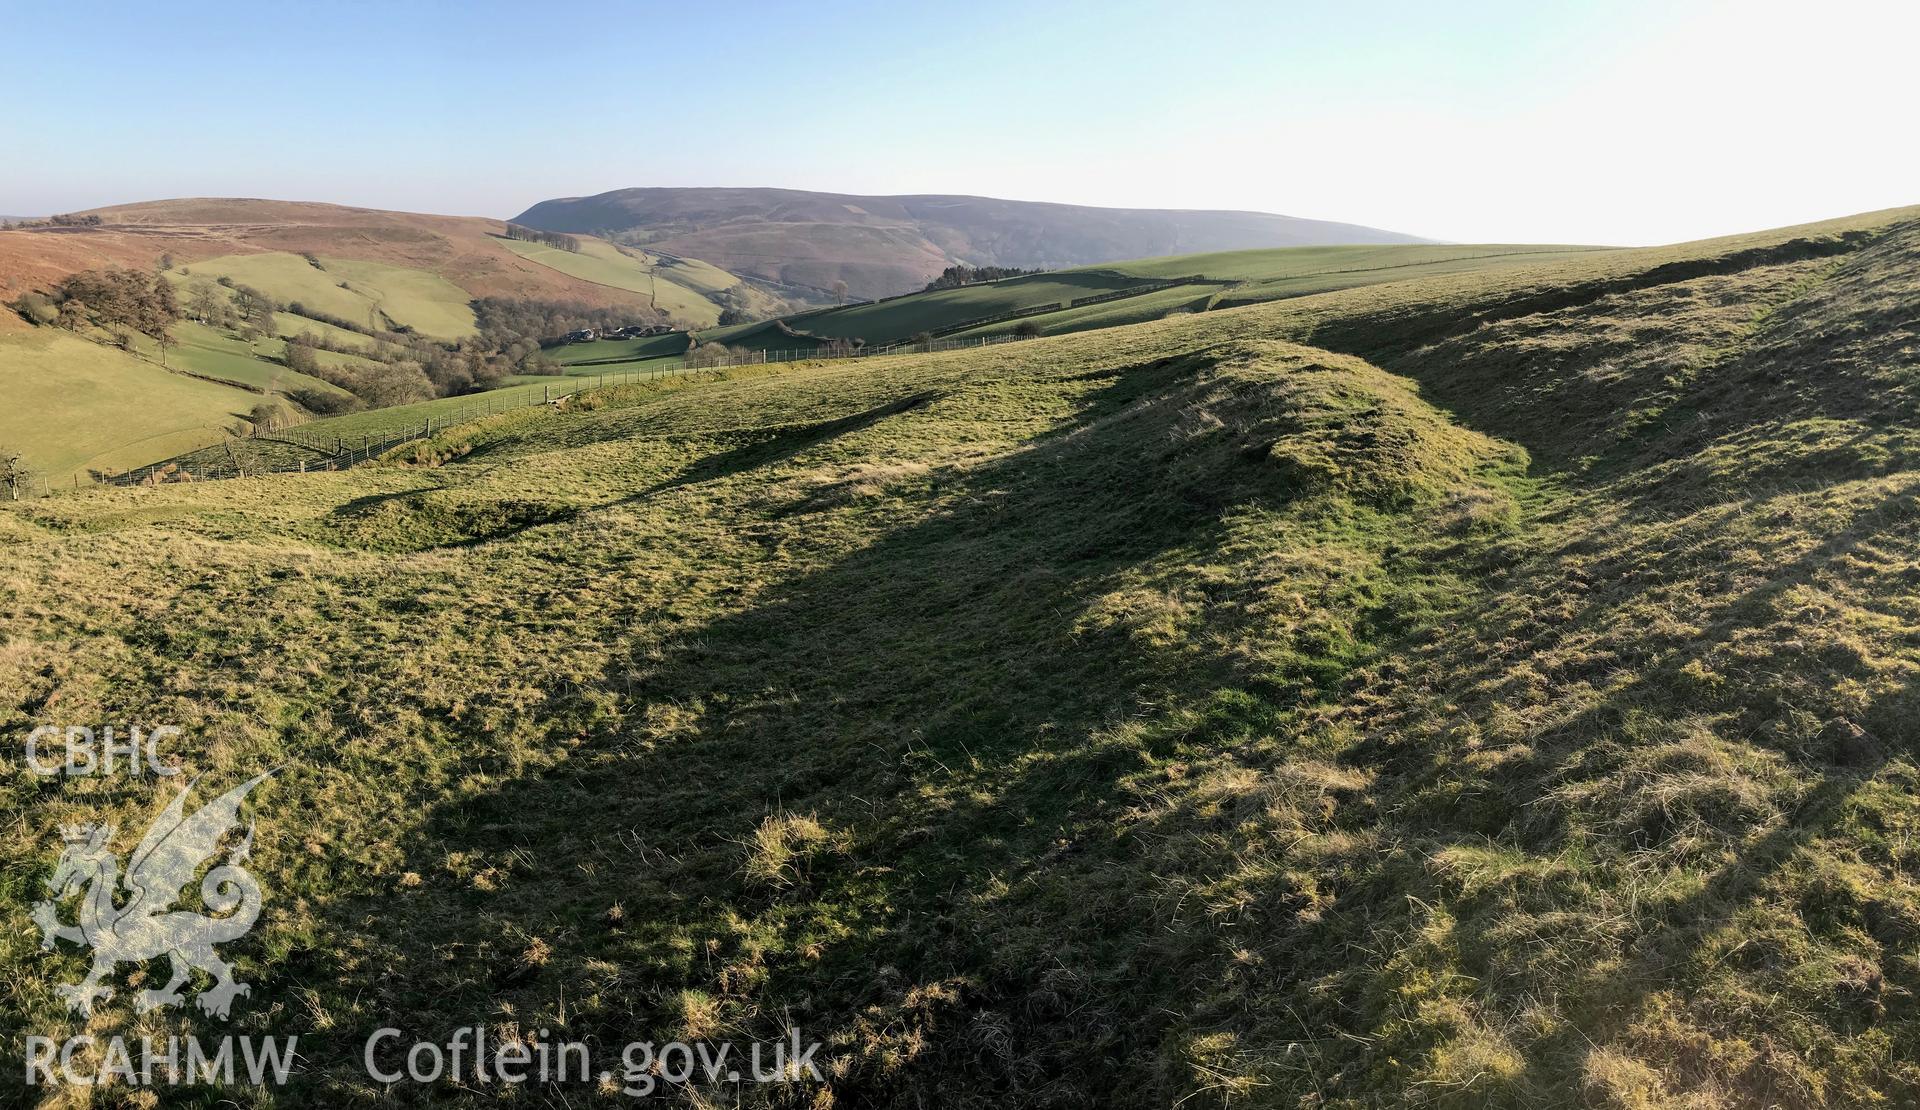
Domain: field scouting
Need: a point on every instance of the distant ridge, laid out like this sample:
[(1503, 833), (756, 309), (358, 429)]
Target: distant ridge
[(465, 250), (881, 245)]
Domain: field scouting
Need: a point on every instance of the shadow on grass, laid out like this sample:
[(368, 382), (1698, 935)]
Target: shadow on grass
[(770, 446), (931, 701), (889, 803)]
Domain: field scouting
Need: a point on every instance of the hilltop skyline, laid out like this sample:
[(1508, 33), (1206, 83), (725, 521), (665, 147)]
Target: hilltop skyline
[(1500, 122)]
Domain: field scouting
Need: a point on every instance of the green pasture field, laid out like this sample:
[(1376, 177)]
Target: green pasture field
[(215, 353), (369, 292), (605, 264), (653, 346), (73, 405)]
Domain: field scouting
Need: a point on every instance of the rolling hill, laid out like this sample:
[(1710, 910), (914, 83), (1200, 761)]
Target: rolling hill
[(381, 271), (881, 246), (469, 253), (72, 406), (1489, 689), (1093, 297)]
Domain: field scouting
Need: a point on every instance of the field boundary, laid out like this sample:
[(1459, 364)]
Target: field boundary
[(333, 452)]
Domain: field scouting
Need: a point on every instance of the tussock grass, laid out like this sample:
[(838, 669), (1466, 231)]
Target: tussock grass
[(1480, 690)]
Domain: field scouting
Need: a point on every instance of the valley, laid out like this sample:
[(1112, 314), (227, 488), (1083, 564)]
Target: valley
[(1249, 556), (380, 309), (1096, 712), (380, 304)]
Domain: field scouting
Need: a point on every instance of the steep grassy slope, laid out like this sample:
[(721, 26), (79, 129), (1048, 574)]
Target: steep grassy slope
[(684, 290), (288, 326), (893, 320), (882, 246), (1418, 259), (605, 264), (73, 406), (287, 278), (417, 299), (212, 353), (1495, 689), (1230, 278), (372, 293), (1139, 289)]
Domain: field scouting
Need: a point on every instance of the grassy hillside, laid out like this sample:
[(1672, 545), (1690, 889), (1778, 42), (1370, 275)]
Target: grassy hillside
[(418, 269), (216, 354), (380, 270), (1418, 259), (1133, 292), (417, 299), (1234, 278), (887, 321), (518, 393), (1492, 689), (378, 295), (609, 350), (1156, 305), (286, 325), (287, 278), (693, 273), (72, 406), (605, 264)]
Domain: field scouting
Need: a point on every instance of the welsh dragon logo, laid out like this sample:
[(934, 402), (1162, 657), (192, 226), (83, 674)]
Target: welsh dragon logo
[(146, 926)]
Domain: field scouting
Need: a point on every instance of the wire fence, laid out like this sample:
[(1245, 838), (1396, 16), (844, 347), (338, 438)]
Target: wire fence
[(306, 448), (831, 350)]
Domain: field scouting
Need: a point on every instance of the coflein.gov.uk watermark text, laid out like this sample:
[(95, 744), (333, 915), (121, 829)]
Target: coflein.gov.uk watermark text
[(467, 1058)]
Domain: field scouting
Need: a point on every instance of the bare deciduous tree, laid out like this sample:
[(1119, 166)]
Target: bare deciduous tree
[(13, 473), (204, 303)]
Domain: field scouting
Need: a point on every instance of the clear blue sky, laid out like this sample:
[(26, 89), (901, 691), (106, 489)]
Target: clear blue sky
[(1626, 121)]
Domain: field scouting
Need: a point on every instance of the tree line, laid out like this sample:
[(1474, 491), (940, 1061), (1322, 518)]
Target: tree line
[(112, 299), (53, 221), (953, 277), (513, 333), (507, 320), (548, 238)]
